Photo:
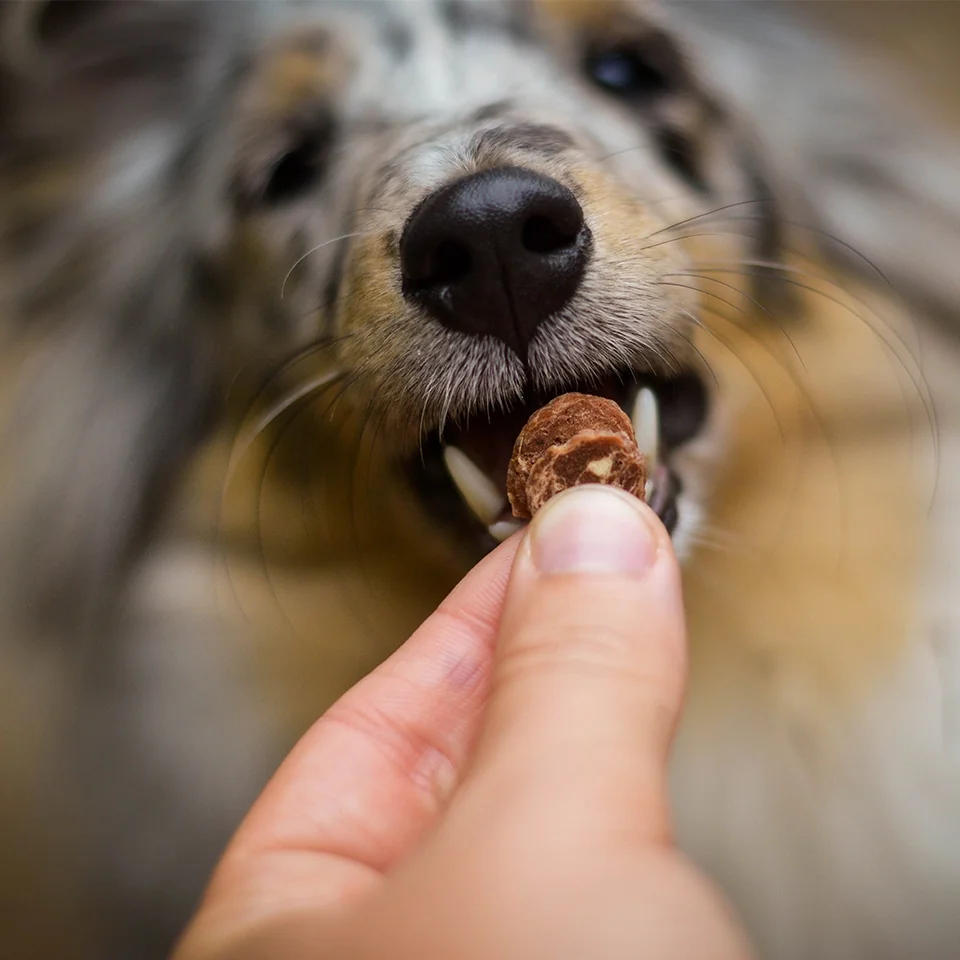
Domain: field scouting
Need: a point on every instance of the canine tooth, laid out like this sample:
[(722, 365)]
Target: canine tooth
[(503, 529), (476, 488), (648, 489), (646, 424)]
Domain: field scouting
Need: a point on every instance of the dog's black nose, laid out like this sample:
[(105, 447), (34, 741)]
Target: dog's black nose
[(496, 253)]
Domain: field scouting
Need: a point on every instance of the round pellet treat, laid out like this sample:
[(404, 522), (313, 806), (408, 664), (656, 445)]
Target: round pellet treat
[(574, 439)]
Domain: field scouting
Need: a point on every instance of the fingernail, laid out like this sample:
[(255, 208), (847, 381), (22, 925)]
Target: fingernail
[(592, 529)]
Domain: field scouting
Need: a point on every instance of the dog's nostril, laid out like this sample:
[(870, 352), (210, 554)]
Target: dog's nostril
[(543, 235), (495, 254)]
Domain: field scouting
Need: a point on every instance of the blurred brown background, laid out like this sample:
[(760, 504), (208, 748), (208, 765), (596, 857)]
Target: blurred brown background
[(918, 38)]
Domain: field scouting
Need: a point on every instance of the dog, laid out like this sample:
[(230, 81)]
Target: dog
[(279, 284)]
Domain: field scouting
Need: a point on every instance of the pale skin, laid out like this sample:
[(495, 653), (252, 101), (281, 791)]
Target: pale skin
[(496, 789)]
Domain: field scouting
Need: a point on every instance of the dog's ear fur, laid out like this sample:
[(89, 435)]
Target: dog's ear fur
[(107, 211), (877, 181)]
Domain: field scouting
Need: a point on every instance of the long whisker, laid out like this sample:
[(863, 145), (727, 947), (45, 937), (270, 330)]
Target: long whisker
[(301, 406), (294, 409), (782, 330), (729, 347), (832, 238), (825, 235), (755, 377), (706, 267), (269, 382), (892, 341), (708, 213), (799, 385), (243, 444), (313, 250), (703, 360), (888, 334), (679, 238)]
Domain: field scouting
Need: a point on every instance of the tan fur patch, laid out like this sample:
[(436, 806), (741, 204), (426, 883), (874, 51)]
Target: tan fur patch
[(298, 69), (807, 574), (581, 14)]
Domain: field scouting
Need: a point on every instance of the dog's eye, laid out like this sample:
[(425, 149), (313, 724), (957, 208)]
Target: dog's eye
[(627, 72), (299, 169)]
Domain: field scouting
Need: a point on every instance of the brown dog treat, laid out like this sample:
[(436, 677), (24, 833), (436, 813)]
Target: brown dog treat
[(574, 439), (588, 457)]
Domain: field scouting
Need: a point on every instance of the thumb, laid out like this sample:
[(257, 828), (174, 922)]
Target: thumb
[(589, 671)]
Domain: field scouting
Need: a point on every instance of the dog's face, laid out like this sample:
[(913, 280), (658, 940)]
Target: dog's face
[(474, 200), (470, 206)]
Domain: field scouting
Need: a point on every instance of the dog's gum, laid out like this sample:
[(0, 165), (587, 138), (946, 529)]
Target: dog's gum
[(574, 439)]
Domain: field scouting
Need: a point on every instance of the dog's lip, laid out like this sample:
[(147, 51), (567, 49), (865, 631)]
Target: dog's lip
[(665, 411)]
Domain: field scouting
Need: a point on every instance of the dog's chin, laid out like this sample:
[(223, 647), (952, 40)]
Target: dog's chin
[(461, 471)]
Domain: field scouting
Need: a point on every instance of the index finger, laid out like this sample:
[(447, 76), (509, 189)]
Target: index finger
[(363, 783)]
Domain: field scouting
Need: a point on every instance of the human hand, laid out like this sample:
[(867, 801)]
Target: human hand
[(496, 789)]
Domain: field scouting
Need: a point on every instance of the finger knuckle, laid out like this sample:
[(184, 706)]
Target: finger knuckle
[(577, 646)]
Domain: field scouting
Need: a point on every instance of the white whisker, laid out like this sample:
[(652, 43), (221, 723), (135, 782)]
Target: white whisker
[(319, 246), (243, 444)]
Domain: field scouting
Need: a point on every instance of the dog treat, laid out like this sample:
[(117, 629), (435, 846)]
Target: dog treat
[(574, 439)]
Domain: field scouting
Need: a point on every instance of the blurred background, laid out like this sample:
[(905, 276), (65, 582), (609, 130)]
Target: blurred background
[(915, 38), (915, 41), (48, 910)]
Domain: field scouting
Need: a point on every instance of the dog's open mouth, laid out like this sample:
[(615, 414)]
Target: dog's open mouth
[(474, 455)]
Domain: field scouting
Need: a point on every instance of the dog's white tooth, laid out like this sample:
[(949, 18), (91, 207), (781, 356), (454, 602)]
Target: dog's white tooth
[(476, 488), (648, 489), (646, 424), (503, 529)]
